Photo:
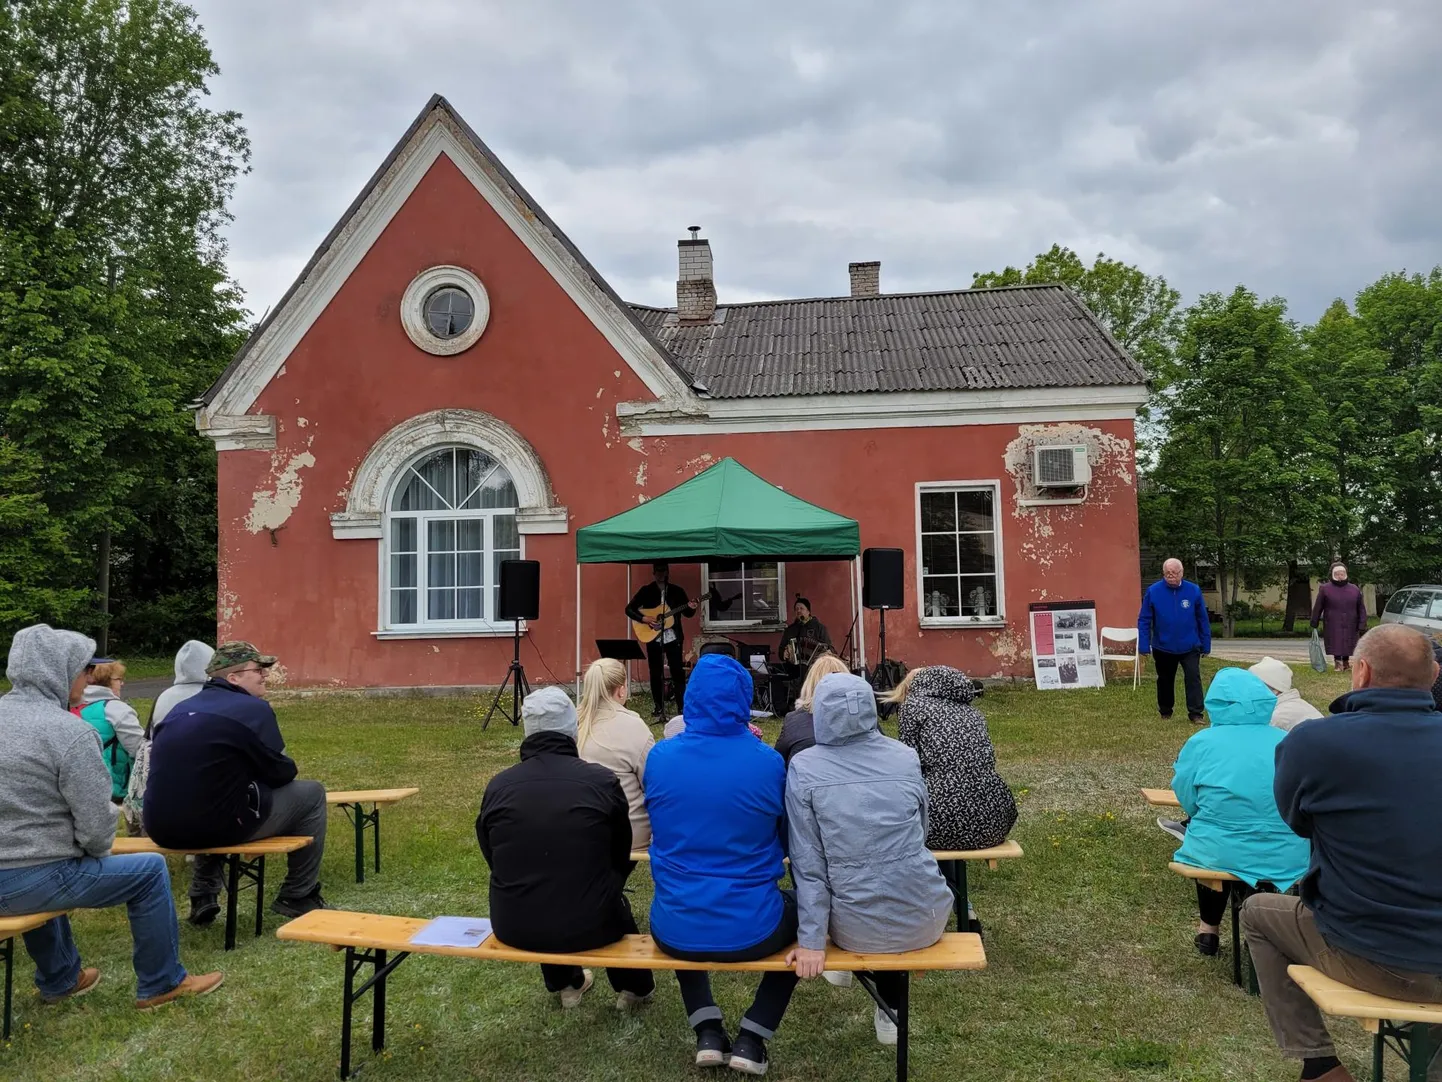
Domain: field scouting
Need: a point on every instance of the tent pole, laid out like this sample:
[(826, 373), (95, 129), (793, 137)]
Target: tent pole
[(860, 609), (629, 595), (854, 613), (578, 629)]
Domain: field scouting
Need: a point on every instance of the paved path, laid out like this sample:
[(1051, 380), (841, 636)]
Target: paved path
[(1291, 650), (147, 688)]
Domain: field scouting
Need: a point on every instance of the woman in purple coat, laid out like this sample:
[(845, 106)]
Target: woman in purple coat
[(1341, 608)]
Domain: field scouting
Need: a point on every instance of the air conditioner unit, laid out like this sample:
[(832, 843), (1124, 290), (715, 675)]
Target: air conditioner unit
[(1060, 467)]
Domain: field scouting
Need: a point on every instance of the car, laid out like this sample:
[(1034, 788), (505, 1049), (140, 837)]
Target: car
[(1416, 606)]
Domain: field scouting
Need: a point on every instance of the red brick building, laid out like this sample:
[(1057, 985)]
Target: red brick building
[(450, 383)]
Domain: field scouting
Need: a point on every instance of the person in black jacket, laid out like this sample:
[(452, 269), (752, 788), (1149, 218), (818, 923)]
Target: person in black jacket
[(556, 833), (666, 647), (219, 776)]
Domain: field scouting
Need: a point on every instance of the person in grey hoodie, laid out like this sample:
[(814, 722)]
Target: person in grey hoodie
[(190, 677), (57, 825), (856, 809)]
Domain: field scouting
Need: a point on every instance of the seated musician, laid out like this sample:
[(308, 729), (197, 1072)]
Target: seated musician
[(649, 606), (806, 637)]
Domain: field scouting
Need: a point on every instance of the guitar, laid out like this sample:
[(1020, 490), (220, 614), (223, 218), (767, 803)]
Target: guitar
[(665, 617)]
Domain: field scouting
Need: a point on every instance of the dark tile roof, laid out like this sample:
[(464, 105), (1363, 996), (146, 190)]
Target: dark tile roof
[(972, 339)]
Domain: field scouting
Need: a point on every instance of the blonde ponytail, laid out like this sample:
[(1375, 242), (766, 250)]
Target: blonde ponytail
[(897, 694), (602, 679)]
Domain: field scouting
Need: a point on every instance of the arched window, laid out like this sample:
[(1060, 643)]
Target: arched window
[(450, 523)]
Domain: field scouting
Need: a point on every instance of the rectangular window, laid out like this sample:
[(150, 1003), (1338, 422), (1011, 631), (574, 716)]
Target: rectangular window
[(749, 593), (958, 559), (445, 570)]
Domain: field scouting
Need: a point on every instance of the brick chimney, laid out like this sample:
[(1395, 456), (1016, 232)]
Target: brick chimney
[(695, 288), (865, 279)]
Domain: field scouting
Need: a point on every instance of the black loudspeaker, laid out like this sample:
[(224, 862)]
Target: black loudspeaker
[(881, 575), (520, 590)]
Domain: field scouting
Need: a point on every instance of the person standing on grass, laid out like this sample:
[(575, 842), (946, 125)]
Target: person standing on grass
[(612, 736), (57, 825), (1362, 786), (1173, 626), (219, 776), (1342, 611), (857, 814), (1223, 781), (556, 833), (716, 797)]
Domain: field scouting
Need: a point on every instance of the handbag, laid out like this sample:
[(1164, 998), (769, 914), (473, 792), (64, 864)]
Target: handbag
[(1318, 655)]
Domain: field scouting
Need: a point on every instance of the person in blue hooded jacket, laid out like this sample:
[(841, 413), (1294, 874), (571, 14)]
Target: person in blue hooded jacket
[(1223, 780), (716, 799), (1173, 626)]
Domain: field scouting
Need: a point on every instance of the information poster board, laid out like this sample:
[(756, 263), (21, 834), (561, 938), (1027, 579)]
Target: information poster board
[(1066, 649)]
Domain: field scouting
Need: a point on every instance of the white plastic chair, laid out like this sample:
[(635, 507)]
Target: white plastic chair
[(1120, 635)]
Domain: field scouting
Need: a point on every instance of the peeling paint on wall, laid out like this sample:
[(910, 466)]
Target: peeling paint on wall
[(641, 475), (638, 445), (1008, 646), (276, 676), (1048, 530), (271, 508), (301, 422), (696, 465)]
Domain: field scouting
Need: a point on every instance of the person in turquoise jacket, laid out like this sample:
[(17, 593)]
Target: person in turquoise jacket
[(1223, 781)]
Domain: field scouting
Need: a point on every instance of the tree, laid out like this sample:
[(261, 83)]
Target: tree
[(1139, 310), (115, 304)]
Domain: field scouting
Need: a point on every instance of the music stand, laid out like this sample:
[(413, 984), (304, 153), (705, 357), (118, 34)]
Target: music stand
[(621, 649)]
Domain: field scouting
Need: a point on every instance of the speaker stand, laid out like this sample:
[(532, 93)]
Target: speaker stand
[(516, 678), (882, 663)]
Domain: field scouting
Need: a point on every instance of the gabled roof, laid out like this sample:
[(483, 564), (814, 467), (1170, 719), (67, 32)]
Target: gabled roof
[(972, 339), (344, 230)]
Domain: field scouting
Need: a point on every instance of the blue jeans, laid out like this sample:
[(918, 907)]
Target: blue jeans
[(140, 882)]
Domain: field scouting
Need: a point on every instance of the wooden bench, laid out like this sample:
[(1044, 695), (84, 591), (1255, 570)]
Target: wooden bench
[(1413, 1040), (956, 859), (369, 939), (1161, 798), (1215, 880), (352, 802), (244, 863), (10, 927)]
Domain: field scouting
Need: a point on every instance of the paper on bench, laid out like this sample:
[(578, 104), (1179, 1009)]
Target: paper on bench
[(453, 932)]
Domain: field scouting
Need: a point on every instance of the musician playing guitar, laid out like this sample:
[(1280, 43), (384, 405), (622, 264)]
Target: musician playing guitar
[(650, 606)]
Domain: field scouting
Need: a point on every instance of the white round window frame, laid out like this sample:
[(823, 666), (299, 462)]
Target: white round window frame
[(413, 310)]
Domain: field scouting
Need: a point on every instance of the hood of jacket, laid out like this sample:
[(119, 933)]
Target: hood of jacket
[(1238, 697), (942, 682), (548, 742), (191, 660), (718, 697), (1383, 700), (44, 662), (95, 693), (843, 709)]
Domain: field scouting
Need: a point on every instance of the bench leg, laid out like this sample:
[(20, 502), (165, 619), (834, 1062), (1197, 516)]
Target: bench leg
[(7, 949), (900, 1017), (354, 960), (259, 895), (376, 835), (954, 872), (1422, 1045), (232, 885), (1379, 1047), (360, 819)]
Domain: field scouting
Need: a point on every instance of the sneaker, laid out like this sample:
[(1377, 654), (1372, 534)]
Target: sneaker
[(298, 907), (204, 908), (837, 979), (202, 985), (1166, 717), (1197, 719), (571, 997), (84, 984), (713, 1048), (748, 1054), (885, 1028), (1208, 943), (1175, 829), (628, 1001)]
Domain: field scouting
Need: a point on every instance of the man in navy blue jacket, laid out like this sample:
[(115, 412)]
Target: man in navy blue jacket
[(219, 776), (1174, 628), (1363, 786)]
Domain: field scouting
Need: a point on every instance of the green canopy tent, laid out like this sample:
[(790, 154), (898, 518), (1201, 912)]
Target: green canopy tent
[(723, 513)]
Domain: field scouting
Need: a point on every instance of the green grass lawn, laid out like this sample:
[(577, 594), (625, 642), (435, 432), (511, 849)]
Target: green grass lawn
[(1092, 974)]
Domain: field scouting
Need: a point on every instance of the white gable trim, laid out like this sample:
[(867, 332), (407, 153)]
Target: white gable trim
[(366, 501), (911, 409), (437, 135)]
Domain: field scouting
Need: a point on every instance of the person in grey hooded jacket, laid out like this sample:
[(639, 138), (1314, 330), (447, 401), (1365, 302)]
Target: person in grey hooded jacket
[(190, 677), (856, 808)]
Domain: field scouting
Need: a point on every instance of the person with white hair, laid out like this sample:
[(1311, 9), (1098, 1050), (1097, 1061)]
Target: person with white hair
[(556, 833), (1291, 708), (1173, 626)]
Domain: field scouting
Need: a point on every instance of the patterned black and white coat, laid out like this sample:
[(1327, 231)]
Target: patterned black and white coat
[(971, 807)]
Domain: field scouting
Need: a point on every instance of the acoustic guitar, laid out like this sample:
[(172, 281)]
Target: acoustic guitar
[(665, 617)]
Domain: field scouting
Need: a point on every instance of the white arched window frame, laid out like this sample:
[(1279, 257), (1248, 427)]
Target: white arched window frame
[(450, 521), (369, 497)]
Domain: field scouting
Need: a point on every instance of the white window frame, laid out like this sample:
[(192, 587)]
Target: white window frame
[(425, 628), (782, 607), (993, 485)]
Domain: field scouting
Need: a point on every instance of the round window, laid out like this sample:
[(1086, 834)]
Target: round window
[(449, 311)]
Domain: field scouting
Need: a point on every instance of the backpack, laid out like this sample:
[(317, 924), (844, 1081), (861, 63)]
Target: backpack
[(134, 801), (117, 759)]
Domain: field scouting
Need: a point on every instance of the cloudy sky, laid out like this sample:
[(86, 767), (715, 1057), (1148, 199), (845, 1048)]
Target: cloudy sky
[(1291, 145)]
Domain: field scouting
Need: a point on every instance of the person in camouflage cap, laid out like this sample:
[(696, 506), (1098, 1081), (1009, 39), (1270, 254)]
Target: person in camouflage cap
[(220, 776)]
